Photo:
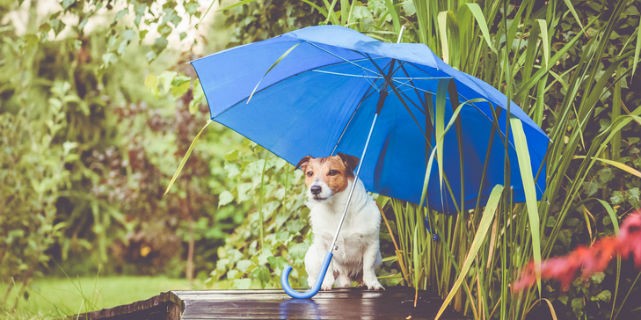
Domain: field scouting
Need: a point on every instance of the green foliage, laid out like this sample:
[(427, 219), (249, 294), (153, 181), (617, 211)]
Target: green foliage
[(264, 190), (569, 65), (256, 20), (86, 148), (29, 189)]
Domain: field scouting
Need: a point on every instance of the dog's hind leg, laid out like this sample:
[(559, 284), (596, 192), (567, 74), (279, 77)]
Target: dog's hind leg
[(343, 280)]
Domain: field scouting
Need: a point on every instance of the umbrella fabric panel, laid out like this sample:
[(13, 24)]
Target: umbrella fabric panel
[(396, 157), (345, 38), (229, 77), (312, 127)]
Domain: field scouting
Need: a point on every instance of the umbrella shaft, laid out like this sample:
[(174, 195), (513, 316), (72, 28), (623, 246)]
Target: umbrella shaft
[(351, 190)]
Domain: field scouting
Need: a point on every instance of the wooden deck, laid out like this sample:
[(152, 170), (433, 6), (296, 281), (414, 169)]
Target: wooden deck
[(393, 303)]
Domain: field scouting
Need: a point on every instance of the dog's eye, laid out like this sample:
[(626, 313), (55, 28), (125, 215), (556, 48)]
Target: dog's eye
[(309, 173), (333, 172)]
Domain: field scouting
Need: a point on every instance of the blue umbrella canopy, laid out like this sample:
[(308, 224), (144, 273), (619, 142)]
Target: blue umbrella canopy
[(315, 91)]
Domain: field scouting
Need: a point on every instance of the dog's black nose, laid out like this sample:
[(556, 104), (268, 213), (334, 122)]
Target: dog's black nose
[(315, 190)]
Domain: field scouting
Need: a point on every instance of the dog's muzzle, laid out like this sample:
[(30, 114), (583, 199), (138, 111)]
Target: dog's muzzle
[(315, 190), (317, 193)]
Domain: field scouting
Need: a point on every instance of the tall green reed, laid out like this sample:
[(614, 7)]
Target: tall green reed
[(512, 48)]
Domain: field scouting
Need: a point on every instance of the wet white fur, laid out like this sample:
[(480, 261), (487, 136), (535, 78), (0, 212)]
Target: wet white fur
[(357, 247)]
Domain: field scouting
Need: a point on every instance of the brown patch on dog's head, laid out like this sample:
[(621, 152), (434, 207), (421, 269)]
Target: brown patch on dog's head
[(303, 163), (350, 162), (334, 172)]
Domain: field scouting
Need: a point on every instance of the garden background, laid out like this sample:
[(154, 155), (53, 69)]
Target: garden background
[(99, 104)]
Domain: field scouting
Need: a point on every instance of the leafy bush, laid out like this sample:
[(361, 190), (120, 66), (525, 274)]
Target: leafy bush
[(29, 189), (87, 148), (265, 190)]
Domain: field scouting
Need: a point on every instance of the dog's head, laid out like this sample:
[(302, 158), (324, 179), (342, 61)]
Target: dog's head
[(325, 177)]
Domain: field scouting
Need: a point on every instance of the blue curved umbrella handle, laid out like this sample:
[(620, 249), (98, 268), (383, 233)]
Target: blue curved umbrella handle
[(284, 280)]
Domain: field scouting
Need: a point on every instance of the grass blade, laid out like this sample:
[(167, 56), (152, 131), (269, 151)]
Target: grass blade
[(570, 6), (545, 40), (283, 56), (439, 126), (480, 20), (442, 29), (481, 234), (551, 308), (183, 161), (637, 50), (613, 216), (616, 164), (523, 157), (396, 20)]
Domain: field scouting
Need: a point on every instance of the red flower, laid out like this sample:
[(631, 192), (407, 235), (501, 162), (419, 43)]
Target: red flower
[(598, 256), (589, 260), (630, 238)]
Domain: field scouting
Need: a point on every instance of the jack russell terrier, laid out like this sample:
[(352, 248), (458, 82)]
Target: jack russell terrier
[(356, 253)]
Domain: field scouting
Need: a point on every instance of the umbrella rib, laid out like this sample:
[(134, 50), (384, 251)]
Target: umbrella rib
[(347, 74), (465, 99), (395, 79), (367, 94), (402, 64), (422, 103), (345, 60), (400, 98)]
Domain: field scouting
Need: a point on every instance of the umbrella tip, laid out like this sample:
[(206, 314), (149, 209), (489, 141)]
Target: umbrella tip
[(400, 34)]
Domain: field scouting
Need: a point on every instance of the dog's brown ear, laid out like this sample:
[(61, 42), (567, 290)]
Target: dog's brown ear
[(303, 162), (350, 161)]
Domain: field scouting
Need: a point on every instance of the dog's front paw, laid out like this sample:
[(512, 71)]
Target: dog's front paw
[(326, 287), (373, 284)]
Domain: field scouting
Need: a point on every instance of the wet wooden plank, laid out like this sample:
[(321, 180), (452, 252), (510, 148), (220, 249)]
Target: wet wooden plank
[(164, 306), (354, 303)]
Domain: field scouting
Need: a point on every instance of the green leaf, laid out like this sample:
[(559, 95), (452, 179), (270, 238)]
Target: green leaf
[(603, 296), (442, 30), (225, 198), (637, 48), (616, 164), (192, 7), (151, 83), (160, 44), (476, 11), (66, 4), (185, 158), (244, 265), (545, 41), (527, 177), (180, 85), (439, 126), (570, 6)]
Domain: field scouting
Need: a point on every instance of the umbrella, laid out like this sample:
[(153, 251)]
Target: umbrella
[(328, 89)]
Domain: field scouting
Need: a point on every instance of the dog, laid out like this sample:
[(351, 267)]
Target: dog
[(357, 252)]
